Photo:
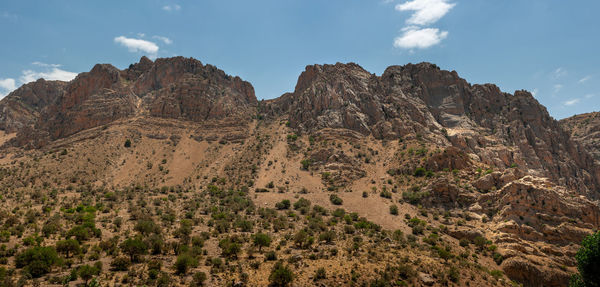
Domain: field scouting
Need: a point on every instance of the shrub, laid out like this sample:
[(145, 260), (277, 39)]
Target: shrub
[(302, 202), (199, 278), (127, 143), (306, 164), (229, 248), (184, 262), (281, 275), (320, 274), (284, 204), (393, 209), (120, 264), (336, 200), (385, 194), (271, 256), (420, 172), (37, 261), (414, 197)]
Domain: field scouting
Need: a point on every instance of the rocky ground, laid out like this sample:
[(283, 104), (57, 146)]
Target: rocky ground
[(172, 173)]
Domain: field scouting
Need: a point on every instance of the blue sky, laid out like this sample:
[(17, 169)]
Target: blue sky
[(549, 47)]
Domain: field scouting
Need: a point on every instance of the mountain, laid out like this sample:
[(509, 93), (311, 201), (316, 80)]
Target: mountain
[(178, 88), (413, 176)]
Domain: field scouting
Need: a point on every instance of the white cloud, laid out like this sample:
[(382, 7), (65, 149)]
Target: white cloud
[(6, 86), (571, 102), (170, 8), (415, 38), (589, 96), (163, 39), (425, 11), (51, 74), (559, 73), (137, 45), (585, 79)]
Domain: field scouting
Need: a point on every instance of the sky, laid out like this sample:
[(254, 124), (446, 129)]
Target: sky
[(548, 47)]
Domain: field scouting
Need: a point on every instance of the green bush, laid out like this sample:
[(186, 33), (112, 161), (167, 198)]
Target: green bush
[(336, 200), (281, 275), (393, 209), (37, 261), (420, 172), (120, 264), (184, 262), (588, 262)]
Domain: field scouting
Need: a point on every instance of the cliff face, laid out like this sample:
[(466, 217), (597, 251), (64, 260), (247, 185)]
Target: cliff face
[(22, 107), (585, 129), (180, 88), (499, 128)]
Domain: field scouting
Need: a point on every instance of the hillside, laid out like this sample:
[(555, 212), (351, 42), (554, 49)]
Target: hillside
[(414, 177)]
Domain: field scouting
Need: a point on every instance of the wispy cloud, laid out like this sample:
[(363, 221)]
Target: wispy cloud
[(426, 12), (584, 79), (163, 39), (559, 73), (8, 16), (589, 96), (171, 7), (413, 37), (571, 102), (557, 88), (40, 64), (137, 45)]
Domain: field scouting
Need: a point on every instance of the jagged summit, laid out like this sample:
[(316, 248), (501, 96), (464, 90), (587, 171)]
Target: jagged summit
[(180, 88)]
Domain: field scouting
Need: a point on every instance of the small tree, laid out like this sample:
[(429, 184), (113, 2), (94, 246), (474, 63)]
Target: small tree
[(588, 262), (281, 275), (184, 262), (127, 143), (134, 247), (87, 272), (229, 248), (261, 240), (68, 247)]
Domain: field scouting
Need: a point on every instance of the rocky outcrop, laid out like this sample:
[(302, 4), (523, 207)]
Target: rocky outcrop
[(422, 100), (179, 88), (585, 129), (21, 109)]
